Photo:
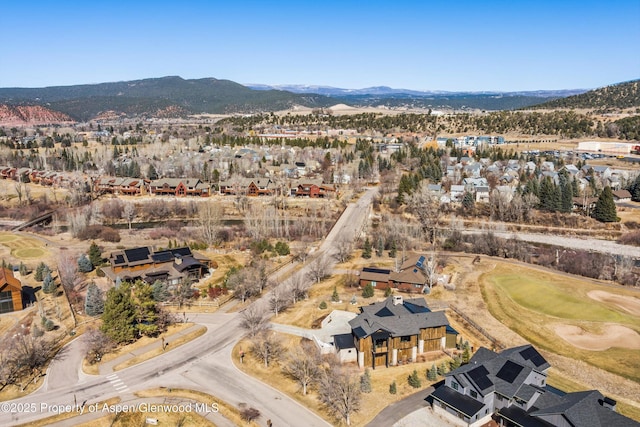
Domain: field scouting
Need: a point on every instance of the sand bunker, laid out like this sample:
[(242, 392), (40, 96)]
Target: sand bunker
[(613, 336), (629, 304)]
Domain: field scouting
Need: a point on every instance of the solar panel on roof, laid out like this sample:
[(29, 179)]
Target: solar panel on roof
[(538, 360), (119, 259), (479, 376), (509, 371), (413, 308), (384, 312), (137, 254), (528, 353), (375, 270), (164, 256), (532, 354), (420, 262), (185, 251)]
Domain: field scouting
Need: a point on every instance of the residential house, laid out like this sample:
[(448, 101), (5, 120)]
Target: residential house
[(511, 388), (411, 277), (179, 187), (457, 193), (312, 188), (396, 331), (143, 263), (621, 196), (11, 298), (127, 186), (482, 193)]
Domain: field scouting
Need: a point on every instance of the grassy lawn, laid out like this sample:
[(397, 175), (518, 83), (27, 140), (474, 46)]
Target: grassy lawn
[(23, 248), (530, 302), (371, 404)]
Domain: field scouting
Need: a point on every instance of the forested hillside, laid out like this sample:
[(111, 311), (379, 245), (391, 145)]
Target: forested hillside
[(619, 96)]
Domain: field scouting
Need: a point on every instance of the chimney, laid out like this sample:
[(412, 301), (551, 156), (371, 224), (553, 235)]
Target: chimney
[(609, 403), (397, 300)]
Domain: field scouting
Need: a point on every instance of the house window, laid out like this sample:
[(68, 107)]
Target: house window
[(454, 385), (405, 338), (374, 283), (381, 342), (6, 302), (473, 394)]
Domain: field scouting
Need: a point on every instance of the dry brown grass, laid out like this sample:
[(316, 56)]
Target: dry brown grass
[(67, 415), (372, 403), (230, 412), (158, 351), (95, 368)]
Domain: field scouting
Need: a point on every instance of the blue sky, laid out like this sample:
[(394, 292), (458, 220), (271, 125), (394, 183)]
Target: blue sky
[(421, 45)]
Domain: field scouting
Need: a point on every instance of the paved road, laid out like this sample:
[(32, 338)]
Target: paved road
[(203, 364), (394, 413), (586, 243)]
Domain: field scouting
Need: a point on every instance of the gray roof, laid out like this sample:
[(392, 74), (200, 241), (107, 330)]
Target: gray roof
[(581, 409), (504, 373), (399, 320)]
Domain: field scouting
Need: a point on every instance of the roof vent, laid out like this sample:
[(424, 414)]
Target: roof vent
[(397, 300)]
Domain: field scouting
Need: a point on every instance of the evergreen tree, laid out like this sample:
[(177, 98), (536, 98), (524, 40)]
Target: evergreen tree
[(414, 380), (95, 254), (466, 353), (366, 250), (467, 202), (118, 318), (432, 373), (605, 209), (365, 382), (334, 296), (380, 246), (160, 291), (393, 388), (93, 302), (48, 285), (367, 291), (455, 363), (41, 271), (146, 310), (442, 369), (84, 264), (634, 189)]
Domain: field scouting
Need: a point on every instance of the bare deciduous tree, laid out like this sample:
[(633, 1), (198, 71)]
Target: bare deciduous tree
[(210, 220), (97, 344), (254, 320), (319, 268), (340, 391), (129, 213), (426, 206), (343, 250), (69, 276), (267, 346), (279, 299), (297, 287), (303, 365)]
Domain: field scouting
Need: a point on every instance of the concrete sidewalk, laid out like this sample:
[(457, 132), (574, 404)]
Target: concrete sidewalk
[(107, 367)]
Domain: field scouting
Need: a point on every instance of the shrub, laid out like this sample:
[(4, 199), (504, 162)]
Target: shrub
[(367, 291), (49, 325), (282, 248), (414, 380), (323, 305), (249, 414), (393, 388)]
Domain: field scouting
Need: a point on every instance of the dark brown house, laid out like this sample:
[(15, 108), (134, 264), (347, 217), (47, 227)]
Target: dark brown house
[(396, 331), (10, 292)]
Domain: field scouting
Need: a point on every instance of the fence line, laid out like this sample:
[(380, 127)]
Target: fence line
[(479, 328)]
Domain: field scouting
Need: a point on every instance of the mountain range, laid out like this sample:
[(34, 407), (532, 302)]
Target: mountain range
[(177, 97)]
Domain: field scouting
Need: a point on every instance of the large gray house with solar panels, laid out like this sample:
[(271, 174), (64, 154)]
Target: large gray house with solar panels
[(170, 266), (511, 388)]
